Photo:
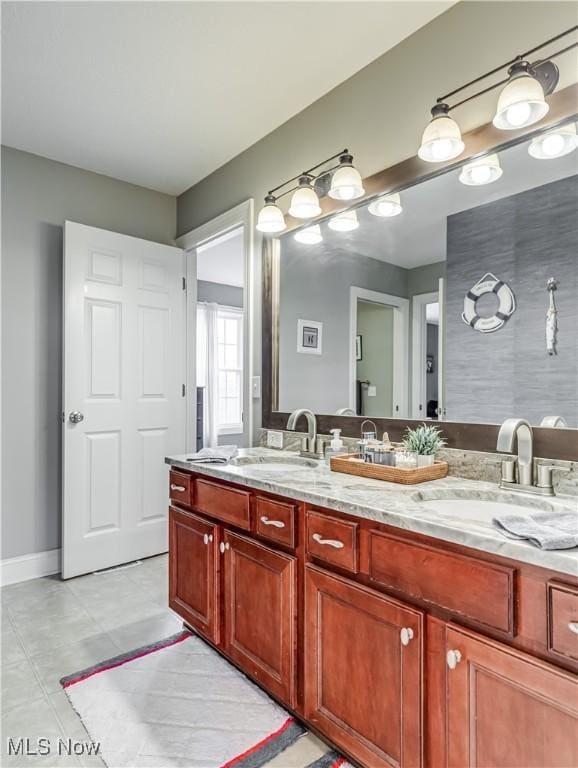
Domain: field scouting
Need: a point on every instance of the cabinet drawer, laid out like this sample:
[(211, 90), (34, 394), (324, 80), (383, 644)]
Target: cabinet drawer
[(180, 488), (474, 589), (563, 620), (228, 504), (333, 541), (275, 520)]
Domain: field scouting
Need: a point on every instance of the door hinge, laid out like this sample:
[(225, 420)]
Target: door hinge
[(183, 390), (184, 283)]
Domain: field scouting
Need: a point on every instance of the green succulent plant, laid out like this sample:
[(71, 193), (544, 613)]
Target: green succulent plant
[(424, 440)]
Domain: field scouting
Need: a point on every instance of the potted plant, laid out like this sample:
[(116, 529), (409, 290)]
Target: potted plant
[(424, 441)]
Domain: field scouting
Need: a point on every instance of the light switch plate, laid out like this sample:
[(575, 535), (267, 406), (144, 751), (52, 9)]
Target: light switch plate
[(274, 439), (372, 391), (256, 387)]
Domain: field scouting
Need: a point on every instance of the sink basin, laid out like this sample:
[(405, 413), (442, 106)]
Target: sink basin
[(482, 509), (274, 464)]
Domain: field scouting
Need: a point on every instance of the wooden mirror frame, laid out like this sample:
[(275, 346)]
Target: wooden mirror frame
[(548, 443)]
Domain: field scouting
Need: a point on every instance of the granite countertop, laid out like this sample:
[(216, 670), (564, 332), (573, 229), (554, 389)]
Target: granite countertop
[(394, 504)]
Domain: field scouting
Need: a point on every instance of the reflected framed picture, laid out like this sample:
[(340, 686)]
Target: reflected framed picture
[(358, 348), (309, 337), (429, 364)]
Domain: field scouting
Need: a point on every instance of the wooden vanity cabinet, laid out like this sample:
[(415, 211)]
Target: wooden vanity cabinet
[(400, 649)]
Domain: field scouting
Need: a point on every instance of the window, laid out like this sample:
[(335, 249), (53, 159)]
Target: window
[(229, 371)]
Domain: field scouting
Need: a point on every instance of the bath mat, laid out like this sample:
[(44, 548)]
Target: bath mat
[(178, 703)]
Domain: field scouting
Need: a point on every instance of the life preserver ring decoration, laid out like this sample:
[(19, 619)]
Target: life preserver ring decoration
[(489, 283)]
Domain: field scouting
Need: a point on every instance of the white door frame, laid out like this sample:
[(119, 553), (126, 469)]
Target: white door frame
[(240, 215), (419, 344), (400, 345)]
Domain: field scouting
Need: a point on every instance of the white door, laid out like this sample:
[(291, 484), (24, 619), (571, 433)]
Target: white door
[(124, 404)]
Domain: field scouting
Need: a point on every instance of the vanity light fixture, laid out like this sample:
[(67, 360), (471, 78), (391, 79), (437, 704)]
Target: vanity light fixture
[(522, 101), (386, 206), (305, 203), (442, 138), (309, 235), (346, 183), (341, 181), (344, 222), (556, 143), (271, 217), (484, 170)]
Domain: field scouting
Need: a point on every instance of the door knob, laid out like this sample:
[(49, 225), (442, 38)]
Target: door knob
[(406, 634), (75, 417), (453, 658)]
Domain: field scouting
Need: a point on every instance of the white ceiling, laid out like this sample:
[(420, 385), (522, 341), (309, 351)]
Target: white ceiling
[(221, 260), (418, 235), (162, 93)]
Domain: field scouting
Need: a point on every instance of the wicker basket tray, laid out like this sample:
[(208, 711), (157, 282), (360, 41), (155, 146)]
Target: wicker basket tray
[(350, 465)]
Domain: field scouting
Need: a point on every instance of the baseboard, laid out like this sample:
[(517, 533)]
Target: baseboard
[(26, 567)]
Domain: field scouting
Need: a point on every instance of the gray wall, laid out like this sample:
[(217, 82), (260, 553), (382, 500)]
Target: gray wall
[(315, 285), (225, 295), (375, 326), (37, 196), (380, 112), (523, 240)]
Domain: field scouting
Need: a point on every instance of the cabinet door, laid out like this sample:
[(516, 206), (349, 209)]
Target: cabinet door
[(260, 613), (193, 572), (363, 670), (506, 709)]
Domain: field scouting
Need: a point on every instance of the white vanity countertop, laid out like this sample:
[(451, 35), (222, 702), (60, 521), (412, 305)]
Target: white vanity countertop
[(396, 505)]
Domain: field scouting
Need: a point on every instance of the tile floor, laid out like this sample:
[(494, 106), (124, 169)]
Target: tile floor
[(52, 628)]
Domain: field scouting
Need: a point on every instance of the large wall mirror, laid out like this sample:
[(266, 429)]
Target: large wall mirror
[(461, 307)]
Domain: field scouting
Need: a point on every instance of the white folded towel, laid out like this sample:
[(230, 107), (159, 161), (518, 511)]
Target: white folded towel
[(221, 455), (557, 529)]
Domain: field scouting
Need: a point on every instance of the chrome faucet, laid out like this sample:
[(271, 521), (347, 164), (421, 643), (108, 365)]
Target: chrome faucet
[(310, 445), (521, 429)]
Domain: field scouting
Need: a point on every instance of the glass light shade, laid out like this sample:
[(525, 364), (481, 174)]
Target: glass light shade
[(344, 222), (441, 140), (387, 206), (485, 170), (271, 219), (555, 143), (305, 203), (521, 103), (346, 183), (309, 236)]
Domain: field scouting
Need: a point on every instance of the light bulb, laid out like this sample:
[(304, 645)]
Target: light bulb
[(344, 222), (346, 183), (304, 203), (270, 217), (484, 170), (309, 236), (555, 143), (442, 138), (387, 206), (521, 101)]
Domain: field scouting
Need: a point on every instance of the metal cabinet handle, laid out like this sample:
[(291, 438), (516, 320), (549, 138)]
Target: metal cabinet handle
[(75, 417), (179, 488), (223, 546), (335, 543), (208, 538), (406, 634), (453, 658), (573, 627), (277, 523)]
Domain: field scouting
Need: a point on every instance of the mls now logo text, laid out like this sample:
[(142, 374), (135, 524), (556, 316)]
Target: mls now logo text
[(44, 746)]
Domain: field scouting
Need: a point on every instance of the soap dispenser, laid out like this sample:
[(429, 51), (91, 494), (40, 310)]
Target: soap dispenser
[(335, 447)]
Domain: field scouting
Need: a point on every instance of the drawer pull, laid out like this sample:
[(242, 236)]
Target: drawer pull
[(335, 543), (453, 658), (406, 634), (208, 538), (277, 523), (573, 627), (224, 546), (179, 488)]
